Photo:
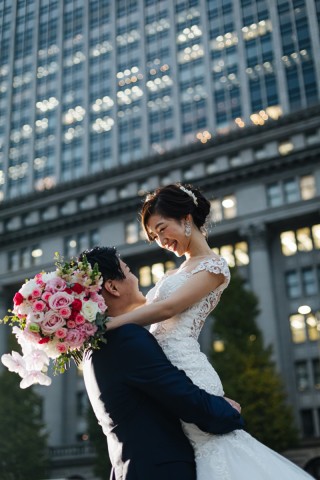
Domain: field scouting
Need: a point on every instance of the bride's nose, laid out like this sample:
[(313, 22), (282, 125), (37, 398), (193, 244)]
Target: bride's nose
[(162, 241)]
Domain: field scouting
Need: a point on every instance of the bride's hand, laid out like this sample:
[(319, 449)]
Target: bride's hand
[(233, 404)]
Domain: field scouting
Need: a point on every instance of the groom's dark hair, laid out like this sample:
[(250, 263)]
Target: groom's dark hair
[(107, 259)]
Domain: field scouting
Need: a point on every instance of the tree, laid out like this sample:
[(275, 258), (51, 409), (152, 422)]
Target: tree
[(23, 442), (246, 368), (102, 464)]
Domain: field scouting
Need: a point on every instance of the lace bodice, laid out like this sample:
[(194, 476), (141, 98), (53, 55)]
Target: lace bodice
[(188, 323)]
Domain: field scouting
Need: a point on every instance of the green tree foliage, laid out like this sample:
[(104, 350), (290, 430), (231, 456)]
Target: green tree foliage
[(102, 466), (246, 368), (23, 447)]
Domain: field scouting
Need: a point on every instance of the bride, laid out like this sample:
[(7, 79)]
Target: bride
[(175, 216)]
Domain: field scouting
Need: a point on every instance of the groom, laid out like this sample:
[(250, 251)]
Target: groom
[(138, 396)]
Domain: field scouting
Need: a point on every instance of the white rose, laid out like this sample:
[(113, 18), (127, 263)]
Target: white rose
[(89, 310), (28, 287), (48, 276)]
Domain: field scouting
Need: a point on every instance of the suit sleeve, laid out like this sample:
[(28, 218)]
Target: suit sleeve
[(149, 370)]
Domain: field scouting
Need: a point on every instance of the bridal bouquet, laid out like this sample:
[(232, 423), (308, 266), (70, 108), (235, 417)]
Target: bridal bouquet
[(56, 315)]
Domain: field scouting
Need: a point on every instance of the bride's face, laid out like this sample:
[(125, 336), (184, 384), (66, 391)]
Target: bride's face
[(168, 233)]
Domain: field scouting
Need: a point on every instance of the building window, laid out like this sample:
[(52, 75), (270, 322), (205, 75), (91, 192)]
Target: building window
[(274, 195), (307, 187), (151, 274), (288, 243), (302, 240), (285, 147), (307, 423), (316, 235), (134, 232), (292, 284), (291, 191), (75, 244), (316, 373), (302, 376), (224, 209), (305, 327), (236, 254), (309, 281), (298, 328)]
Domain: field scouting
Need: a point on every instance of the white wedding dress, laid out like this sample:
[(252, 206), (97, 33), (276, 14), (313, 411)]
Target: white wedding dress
[(236, 455)]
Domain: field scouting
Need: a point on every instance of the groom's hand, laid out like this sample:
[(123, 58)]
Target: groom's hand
[(234, 404)]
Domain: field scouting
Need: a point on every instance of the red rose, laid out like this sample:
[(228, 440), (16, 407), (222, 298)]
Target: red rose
[(76, 304), (68, 290), (18, 298), (44, 340), (77, 288)]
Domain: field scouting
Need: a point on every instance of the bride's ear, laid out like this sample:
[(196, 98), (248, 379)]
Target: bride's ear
[(111, 288)]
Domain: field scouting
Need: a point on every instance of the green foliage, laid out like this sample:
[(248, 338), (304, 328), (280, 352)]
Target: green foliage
[(23, 448), (102, 466), (247, 370)]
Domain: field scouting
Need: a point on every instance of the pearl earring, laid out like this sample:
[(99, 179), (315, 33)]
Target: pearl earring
[(187, 228)]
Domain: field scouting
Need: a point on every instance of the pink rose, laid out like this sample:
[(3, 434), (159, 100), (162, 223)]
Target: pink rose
[(38, 306), (61, 347), (61, 333), (89, 329), (71, 324), (52, 322), (59, 300), (18, 298), (56, 284), (79, 319), (102, 306), (65, 312), (46, 295), (36, 293), (38, 279), (75, 338)]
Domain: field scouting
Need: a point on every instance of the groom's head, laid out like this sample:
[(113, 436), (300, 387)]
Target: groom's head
[(120, 288)]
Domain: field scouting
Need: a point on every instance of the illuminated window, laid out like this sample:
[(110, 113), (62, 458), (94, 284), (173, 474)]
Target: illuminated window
[(302, 375), (132, 232), (241, 253), (236, 254), (227, 253), (307, 187), (157, 271), (145, 276), (312, 327), (229, 205), (216, 211), (285, 148), (288, 243), (149, 275), (304, 240), (298, 328), (316, 235)]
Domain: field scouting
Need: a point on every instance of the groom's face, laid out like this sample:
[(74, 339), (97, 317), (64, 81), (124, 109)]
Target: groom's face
[(129, 288)]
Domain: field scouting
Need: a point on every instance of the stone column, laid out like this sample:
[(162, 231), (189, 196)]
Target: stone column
[(261, 283)]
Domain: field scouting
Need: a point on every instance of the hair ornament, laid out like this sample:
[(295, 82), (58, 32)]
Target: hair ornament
[(191, 194)]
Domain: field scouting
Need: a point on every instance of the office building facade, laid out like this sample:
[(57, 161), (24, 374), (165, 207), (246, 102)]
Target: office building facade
[(102, 101)]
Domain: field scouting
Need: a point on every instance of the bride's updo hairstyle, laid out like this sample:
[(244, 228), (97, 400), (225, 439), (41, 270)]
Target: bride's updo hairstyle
[(175, 201)]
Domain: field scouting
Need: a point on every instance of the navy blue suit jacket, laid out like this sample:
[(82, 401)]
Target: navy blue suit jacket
[(138, 397)]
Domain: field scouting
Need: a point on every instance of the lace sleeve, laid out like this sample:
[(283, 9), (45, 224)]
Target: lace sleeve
[(214, 265)]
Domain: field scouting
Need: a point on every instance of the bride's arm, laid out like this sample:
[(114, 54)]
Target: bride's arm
[(198, 286)]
